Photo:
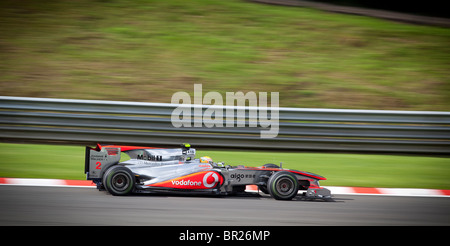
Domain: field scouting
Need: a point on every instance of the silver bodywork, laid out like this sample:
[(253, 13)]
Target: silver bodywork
[(153, 166)]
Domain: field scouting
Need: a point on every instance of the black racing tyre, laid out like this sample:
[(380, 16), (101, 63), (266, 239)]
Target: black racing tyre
[(271, 165), (119, 181), (283, 186), (263, 188)]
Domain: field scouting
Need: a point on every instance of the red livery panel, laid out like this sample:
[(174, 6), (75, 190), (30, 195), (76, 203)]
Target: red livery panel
[(201, 180)]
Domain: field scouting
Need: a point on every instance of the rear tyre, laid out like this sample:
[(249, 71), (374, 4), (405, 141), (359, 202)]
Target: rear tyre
[(119, 181), (283, 186)]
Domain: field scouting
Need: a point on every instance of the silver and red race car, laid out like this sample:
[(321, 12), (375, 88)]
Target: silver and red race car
[(177, 170)]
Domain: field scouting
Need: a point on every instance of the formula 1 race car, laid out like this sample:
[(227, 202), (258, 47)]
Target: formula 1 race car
[(152, 170)]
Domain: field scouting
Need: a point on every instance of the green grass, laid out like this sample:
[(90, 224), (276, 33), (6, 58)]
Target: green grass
[(42, 161), (146, 50), (67, 162)]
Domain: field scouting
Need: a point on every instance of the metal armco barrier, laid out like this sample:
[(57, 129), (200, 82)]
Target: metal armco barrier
[(94, 121)]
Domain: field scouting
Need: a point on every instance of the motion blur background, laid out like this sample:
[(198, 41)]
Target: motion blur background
[(146, 50)]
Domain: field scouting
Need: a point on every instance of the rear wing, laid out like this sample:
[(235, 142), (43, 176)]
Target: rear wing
[(99, 159)]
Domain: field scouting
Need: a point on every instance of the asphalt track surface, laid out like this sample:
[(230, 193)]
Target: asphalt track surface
[(69, 206)]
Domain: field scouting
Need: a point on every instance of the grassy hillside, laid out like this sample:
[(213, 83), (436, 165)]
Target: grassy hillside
[(146, 50)]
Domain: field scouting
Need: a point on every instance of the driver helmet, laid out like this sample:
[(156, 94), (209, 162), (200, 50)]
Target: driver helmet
[(206, 159)]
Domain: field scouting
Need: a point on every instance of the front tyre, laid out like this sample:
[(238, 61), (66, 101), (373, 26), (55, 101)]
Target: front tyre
[(283, 186), (119, 181)]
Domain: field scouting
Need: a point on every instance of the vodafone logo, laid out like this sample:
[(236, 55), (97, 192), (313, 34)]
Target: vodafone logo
[(210, 179), (186, 182), (202, 180)]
